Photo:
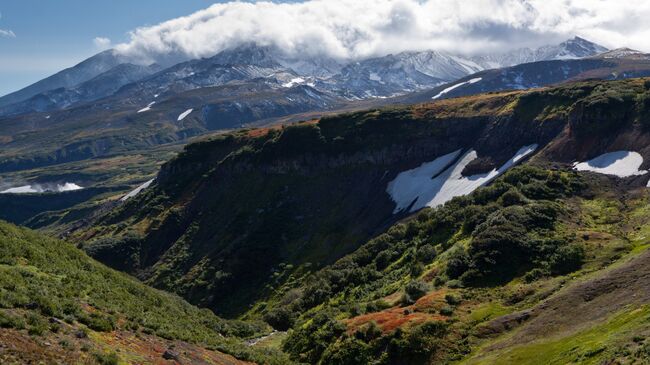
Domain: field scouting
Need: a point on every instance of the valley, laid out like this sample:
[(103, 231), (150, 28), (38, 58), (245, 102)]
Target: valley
[(329, 183), (357, 264)]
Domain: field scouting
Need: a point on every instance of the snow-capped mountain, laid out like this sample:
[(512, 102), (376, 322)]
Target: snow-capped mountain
[(397, 74), (68, 78), (370, 78), (571, 49), (624, 53), (617, 64), (410, 71), (244, 63)]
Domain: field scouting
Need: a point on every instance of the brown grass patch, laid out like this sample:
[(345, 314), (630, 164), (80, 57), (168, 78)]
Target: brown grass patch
[(424, 310)]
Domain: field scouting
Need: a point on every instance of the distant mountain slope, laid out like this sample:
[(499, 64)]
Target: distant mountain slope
[(412, 71), (103, 85), (60, 306), (574, 48), (613, 65), (118, 124), (67, 78), (296, 198)]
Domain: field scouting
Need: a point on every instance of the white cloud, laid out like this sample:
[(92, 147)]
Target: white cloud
[(362, 28), (102, 43), (8, 33)]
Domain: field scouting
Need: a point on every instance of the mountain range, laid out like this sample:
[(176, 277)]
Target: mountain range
[(104, 74), (269, 208)]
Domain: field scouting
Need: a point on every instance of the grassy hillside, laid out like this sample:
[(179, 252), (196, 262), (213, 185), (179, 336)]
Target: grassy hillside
[(59, 305)]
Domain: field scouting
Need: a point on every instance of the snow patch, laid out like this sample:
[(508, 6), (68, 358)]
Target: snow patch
[(375, 77), (137, 190), (42, 188), (413, 184), (619, 163), (445, 91), (434, 183), (147, 108), (295, 81), (185, 114)]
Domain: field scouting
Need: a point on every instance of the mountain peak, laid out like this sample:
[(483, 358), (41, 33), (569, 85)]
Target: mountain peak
[(576, 47), (248, 54), (623, 52)]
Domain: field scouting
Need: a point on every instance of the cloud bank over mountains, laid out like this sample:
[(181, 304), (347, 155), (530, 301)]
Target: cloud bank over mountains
[(355, 29)]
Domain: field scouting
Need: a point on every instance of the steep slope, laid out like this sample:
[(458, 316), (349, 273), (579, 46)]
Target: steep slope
[(231, 210), (67, 78), (58, 305)]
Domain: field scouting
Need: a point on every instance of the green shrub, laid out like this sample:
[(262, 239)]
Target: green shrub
[(368, 332), (97, 322), (9, 321), (376, 306), (512, 197), (452, 299), (350, 351), (413, 291), (107, 359), (447, 311), (280, 318)]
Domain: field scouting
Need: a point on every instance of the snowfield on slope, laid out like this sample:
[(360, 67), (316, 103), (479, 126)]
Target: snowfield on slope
[(445, 91), (435, 183), (619, 163), (294, 81), (185, 114), (147, 108), (42, 188), (137, 190)]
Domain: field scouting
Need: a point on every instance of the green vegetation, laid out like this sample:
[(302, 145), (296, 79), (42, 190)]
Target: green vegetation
[(277, 225), (485, 239), (43, 278), (617, 338)]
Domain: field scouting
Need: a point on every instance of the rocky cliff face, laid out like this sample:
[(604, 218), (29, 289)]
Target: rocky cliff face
[(230, 215)]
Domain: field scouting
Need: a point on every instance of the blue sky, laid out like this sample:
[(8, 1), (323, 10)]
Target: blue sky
[(53, 34)]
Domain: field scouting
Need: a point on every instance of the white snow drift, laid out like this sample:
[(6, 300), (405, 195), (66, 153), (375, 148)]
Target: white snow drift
[(435, 183), (147, 108), (137, 190), (185, 114), (468, 82), (294, 81), (619, 163), (42, 188)]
